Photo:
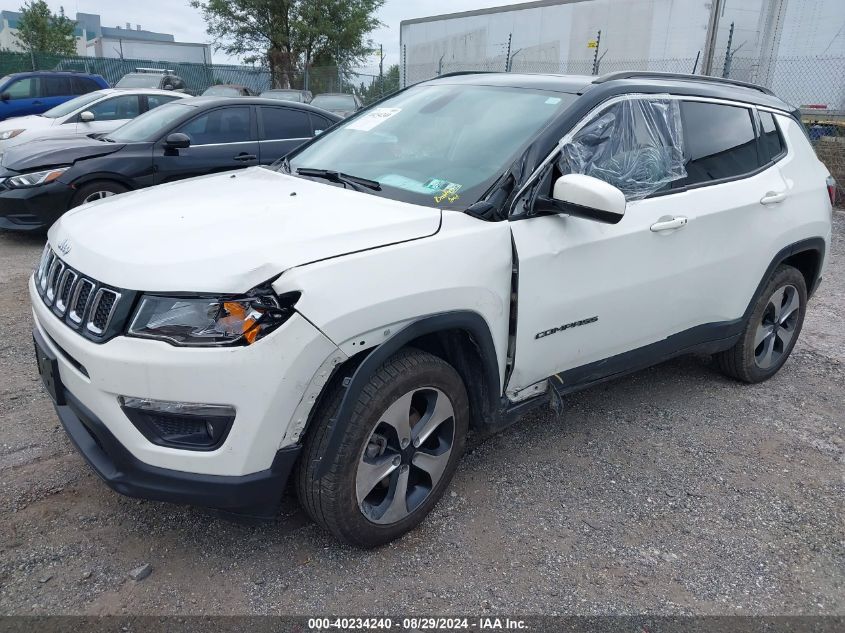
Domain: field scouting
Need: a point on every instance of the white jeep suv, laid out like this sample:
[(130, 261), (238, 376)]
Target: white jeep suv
[(467, 249)]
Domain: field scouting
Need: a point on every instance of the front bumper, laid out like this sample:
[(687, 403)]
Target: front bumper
[(34, 208), (255, 495)]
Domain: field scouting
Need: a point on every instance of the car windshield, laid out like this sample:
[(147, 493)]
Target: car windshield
[(435, 145), (284, 95), (150, 125), (74, 104), (222, 91), (334, 102), (151, 80)]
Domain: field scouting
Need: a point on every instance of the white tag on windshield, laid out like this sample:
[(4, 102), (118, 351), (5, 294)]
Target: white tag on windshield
[(373, 118)]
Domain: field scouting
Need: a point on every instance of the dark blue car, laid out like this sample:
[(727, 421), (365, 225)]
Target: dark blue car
[(37, 92)]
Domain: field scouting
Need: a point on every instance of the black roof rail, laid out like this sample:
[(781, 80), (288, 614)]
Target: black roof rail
[(635, 74), (458, 73)]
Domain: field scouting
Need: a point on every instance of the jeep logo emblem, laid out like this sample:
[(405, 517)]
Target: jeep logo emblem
[(64, 247)]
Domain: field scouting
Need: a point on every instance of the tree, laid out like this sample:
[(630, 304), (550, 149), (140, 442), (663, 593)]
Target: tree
[(381, 87), (42, 31), (291, 35)]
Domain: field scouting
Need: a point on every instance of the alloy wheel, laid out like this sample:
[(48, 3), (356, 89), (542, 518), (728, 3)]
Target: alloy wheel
[(777, 327), (405, 455), (98, 195)]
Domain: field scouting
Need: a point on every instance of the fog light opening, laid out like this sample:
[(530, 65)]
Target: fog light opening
[(184, 425)]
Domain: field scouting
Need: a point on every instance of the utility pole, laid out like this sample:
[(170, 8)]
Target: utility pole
[(596, 54), (712, 34)]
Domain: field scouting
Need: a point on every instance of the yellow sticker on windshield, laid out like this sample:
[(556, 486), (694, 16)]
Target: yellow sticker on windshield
[(450, 193)]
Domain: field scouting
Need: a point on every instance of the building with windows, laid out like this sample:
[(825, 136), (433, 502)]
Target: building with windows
[(95, 40)]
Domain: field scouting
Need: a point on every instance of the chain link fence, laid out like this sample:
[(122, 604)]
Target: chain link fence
[(813, 84), (198, 77)]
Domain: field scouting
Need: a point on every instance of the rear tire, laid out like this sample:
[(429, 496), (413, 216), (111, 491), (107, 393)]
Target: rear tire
[(771, 331), (96, 190), (399, 451)]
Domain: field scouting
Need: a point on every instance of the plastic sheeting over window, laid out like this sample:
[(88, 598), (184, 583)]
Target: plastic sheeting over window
[(635, 145)]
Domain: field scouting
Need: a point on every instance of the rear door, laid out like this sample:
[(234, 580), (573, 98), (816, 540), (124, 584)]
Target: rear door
[(221, 139), (281, 130), (54, 89)]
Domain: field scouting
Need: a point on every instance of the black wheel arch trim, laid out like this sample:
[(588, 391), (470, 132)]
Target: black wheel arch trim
[(472, 322), (87, 179), (816, 244)]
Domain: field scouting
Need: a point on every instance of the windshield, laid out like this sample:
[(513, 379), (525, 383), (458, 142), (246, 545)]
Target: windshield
[(222, 91), (150, 125), (334, 102), (151, 80), (436, 145), (290, 95), (74, 104)]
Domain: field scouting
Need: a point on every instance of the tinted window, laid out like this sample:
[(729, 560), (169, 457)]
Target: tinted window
[(55, 87), (771, 142), (320, 123), (122, 107), (154, 101), (23, 89), (84, 85), (285, 123), (719, 141), (225, 125)]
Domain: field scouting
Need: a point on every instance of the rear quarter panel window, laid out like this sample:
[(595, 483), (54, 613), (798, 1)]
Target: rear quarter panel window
[(771, 141)]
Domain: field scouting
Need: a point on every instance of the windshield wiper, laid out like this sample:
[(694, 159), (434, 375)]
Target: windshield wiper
[(345, 179)]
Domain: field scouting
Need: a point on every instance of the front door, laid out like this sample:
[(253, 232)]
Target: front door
[(221, 139), (602, 298)]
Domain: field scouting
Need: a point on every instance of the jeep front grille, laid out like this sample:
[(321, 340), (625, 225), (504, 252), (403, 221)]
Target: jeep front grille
[(93, 309)]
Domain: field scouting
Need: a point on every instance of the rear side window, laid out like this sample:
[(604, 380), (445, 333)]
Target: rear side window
[(56, 87), (320, 123), (154, 101), (771, 142), (84, 85), (719, 142), (285, 123)]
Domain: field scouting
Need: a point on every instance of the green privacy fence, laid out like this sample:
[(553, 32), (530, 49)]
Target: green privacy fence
[(197, 77)]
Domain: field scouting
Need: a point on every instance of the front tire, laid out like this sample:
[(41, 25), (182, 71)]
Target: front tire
[(96, 190), (771, 331), (400, 449)]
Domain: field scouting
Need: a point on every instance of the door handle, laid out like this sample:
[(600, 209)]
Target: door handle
[(773, 197), (669, 224), (36, 103), (244, 157)]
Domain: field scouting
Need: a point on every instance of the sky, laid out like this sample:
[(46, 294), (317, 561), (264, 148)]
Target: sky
[(177, 17)]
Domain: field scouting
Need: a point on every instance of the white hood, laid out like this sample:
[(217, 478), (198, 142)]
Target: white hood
[(29, 122), (229, 232)]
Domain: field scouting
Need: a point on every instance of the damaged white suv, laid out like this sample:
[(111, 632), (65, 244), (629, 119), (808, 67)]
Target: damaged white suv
[(469, 248)]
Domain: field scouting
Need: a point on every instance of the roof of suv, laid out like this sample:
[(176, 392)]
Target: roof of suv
[(625, 82)]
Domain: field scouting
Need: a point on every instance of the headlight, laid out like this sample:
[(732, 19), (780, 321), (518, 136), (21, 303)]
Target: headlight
[(204, 321), (5, 136), (36, 178)]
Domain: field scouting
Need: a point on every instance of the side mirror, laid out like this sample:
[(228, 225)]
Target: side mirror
[(5, 96), (585, 197), (87, 116), (177, 140)]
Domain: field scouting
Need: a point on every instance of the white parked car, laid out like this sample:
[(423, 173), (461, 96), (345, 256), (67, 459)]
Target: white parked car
[(471, 248), (97, 112)]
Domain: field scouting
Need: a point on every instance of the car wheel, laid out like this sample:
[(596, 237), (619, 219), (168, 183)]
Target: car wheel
[(771, 331), (400, 448), (96, 191)]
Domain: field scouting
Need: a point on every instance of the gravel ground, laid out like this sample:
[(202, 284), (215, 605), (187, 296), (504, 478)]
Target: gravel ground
[(673, 491)]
